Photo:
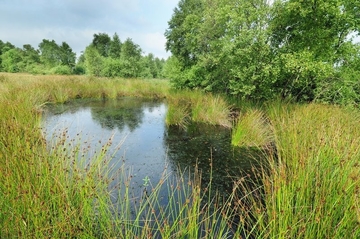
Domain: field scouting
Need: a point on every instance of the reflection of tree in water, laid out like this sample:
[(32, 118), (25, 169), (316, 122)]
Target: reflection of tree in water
[(204, 144), (119, 113)]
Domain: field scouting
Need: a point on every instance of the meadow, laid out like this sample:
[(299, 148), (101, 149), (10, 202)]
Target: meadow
[(309, 185)]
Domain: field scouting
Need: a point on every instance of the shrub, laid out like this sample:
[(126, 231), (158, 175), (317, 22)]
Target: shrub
[(60, 70)]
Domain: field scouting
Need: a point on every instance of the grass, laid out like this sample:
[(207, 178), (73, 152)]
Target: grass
[(58, 191), (187, 106), (310, 187), (252, 130)]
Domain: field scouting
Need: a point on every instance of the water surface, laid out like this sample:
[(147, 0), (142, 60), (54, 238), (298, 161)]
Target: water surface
[(148, 148)]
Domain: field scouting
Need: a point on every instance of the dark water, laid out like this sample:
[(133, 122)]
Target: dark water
[(150, 149)]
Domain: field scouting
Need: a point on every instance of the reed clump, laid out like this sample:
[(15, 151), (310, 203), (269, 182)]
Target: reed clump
[(310, 189), (252, 129), (186, 106)]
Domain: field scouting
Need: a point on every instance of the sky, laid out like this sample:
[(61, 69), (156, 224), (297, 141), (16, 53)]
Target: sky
[(76, 21)]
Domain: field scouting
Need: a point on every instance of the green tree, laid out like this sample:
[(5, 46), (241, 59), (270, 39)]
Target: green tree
[(3, 48), (221, 45), (115, 47), (159, 66), (112, 67), (182, 31), (81, 59), (149, 67), (172, 70), (256, 50), (102, 43), (321, 27), (49, 53), (67, 56), (238, 57), (130, 58), (183, 42), (11, 59), (80, 68), (30, 55), (58, 59), (30, 59), (93, 61), (311, 39)]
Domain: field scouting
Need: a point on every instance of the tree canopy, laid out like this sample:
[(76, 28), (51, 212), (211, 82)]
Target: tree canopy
[(104, 56), (120, 59), (256, 50)]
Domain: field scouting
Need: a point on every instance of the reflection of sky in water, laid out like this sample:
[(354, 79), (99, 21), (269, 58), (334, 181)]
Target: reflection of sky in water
[(143, 149), (148, 147)]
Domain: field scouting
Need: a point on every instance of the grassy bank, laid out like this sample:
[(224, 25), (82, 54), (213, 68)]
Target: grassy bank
[(56, 191), (186, 106), (310, 186)]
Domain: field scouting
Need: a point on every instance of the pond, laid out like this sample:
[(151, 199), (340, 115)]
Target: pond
[(148, 148)]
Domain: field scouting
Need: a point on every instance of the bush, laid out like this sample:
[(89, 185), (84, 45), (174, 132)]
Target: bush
[(35, 69), (60, 70), (146, 73), (344, 89), (79, 70), (112, 68)]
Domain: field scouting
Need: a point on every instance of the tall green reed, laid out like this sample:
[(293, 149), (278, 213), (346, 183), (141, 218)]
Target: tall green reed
[(252, 129), (310, 189), (197, 106)]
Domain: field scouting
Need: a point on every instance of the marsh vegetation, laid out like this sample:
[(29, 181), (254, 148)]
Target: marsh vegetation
[(307, 187), (280, 78)]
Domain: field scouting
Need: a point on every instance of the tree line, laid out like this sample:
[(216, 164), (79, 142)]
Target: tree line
[(104, 56), (259, 49)]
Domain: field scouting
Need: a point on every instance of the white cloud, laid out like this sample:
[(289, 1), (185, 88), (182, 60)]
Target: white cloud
[(75, 22), (155, 43)]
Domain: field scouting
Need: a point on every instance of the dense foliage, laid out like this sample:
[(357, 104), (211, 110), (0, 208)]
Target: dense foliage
[(259, 50), (105, 56)]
